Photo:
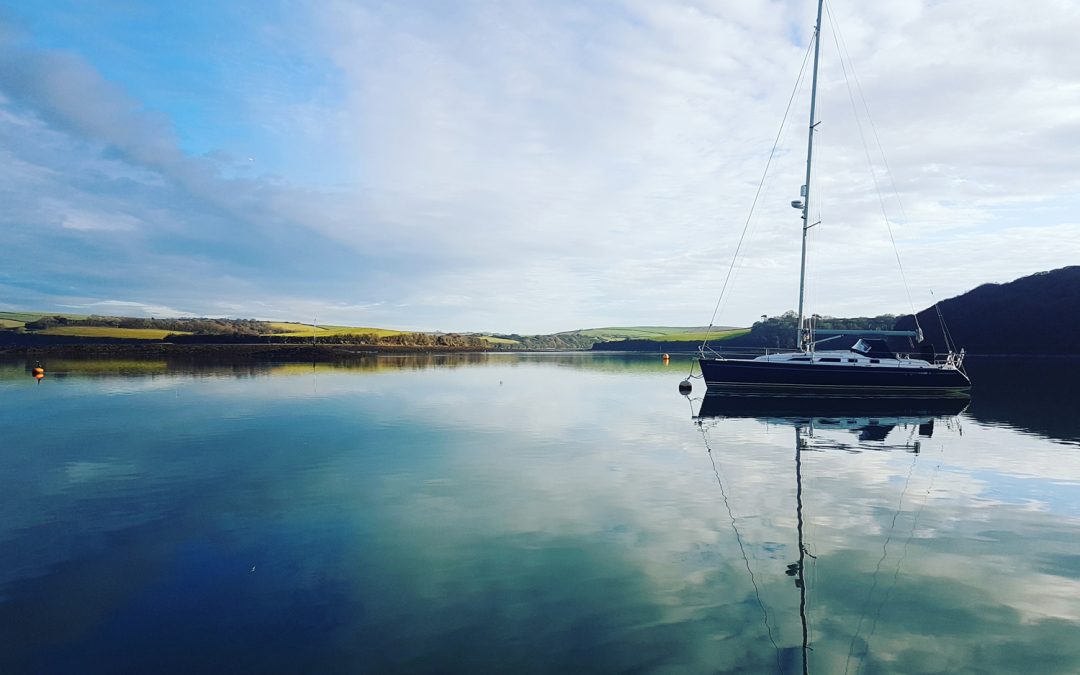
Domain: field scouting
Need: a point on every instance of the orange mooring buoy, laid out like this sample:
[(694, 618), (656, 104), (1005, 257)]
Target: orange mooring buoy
[(666, 357), (39, 376), (37, 370)]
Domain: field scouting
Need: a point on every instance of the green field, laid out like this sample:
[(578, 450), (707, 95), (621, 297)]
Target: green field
[(498, 341), (289, 328), (24, 317), (11, 323), (307, 330), (658, 333), (21, 317), (715, 335)]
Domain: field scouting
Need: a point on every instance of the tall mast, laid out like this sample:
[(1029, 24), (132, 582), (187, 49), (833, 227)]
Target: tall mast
[(801, 342)]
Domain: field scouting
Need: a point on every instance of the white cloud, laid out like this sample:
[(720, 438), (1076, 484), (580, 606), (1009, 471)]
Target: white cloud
[(82, 220), (128, 308)]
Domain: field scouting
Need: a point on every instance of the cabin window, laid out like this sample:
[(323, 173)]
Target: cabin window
[(875, 360), (851, 360), (830, 360), (800, 358)]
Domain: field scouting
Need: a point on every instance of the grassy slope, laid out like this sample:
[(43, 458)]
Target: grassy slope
[(714, 336), (289, 327), (306, 330), (24, 317), (360, 330), (498, 341), (659, 333)]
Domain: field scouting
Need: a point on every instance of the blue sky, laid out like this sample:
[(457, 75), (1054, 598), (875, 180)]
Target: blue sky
[(521, 166)]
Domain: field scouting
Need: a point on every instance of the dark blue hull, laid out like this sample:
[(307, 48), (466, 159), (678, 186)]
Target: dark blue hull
[(763, 376)]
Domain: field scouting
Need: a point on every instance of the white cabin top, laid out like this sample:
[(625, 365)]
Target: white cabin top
[(845, 358)]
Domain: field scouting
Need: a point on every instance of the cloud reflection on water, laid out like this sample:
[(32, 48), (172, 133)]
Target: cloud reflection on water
[(567, 518)]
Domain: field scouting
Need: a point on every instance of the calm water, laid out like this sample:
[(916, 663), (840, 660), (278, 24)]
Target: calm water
[(528, 513)]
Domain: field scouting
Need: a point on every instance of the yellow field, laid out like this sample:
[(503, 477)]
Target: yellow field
[(697, 337), (11, 323), (292, 328), (499, 341), (360, 330), (305, 330), (109, 332)]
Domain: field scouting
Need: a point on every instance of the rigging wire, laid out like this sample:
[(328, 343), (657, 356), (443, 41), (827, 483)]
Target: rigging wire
[(841, 48), (742, 548), (884, 555), (812, 535), (949, 344), (903, 553), (757, 195)]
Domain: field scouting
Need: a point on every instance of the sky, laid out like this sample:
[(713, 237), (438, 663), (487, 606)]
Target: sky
[(528, 166)]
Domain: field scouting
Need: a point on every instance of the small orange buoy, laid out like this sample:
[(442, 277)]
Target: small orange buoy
[(667, 357), (37, 370), (39, 376)]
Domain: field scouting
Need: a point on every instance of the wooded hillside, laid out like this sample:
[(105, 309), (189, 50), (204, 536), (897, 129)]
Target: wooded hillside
[(1037, 314)]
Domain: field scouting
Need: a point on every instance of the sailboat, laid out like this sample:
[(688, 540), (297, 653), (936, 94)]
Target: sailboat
[(868, 367)]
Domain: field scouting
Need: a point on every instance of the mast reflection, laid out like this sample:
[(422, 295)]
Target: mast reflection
[(870, 419)]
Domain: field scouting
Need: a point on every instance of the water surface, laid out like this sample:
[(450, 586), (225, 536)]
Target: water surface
[(528, 513)]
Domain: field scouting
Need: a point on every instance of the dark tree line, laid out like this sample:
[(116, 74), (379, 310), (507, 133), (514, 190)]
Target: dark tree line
[(449, 340), (199, 326), (429, 340), (779, 331), (557, 341)]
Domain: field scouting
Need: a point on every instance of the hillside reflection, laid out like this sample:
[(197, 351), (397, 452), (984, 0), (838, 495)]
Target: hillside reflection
[(1037, 396), (231, 366)]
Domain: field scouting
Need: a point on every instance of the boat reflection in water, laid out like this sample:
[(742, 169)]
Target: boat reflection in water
[(870, 419)]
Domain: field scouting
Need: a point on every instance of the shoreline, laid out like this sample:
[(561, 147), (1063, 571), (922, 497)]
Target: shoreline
[(324, 352), (248, 352)]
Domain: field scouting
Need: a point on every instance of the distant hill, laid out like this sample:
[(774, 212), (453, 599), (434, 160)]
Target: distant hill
[(30, 329), (1037, 314), (626, 338), (657, 333), (775, 332), (40, 328), (685, 340)]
